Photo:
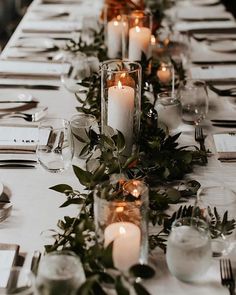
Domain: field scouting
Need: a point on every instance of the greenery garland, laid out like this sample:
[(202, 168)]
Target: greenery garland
[(160, 162)]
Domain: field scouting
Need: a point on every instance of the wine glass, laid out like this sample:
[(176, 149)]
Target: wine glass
[(194, 100), (55, 145), (216, 203), (78, 70)]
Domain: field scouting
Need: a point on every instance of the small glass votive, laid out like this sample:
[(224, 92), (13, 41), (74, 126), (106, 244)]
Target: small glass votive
[(17, 281), (136, 35), (189, 249), (60, 273), (121, 100), (166, 75), (80, 126), (169, 109), (121, 217)]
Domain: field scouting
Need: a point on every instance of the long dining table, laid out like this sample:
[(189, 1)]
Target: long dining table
[(36, 207)]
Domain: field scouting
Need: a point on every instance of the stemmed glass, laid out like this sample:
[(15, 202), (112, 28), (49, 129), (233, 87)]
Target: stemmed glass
[(194, 100), (79, 69)]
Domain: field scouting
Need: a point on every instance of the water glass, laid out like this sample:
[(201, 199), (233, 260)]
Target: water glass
[(221, 199), (80, 126), (79, 69), (17, 281), (55, 154), (59, 273), (169, 109), (194, 101), (189, 249)]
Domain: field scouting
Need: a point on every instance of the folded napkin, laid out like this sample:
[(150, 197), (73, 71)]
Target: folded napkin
[(30, 68), (214, 73), (225, 144), (204, 13), (20, 138), (190, 26), (51, 26)]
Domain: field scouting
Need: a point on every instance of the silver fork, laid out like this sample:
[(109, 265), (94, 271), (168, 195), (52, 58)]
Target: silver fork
[(226, 274), (199, 137), (58, 149)]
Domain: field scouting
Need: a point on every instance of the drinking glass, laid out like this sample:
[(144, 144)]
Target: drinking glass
[(221, 199), (55, 145), (17, 281), (169, 109), (60, 273), (194, 101), (79, 69), (80, 126), (189, 249)]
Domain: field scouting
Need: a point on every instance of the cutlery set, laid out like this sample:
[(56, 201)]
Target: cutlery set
[(18, 163)]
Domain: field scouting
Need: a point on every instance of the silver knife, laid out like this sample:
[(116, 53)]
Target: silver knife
[(16, 166), (18, 161), (27, 86), (19, 101)]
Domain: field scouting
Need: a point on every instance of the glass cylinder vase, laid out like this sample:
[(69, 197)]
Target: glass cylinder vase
[(121, 100), (136, 35), (121, 217)]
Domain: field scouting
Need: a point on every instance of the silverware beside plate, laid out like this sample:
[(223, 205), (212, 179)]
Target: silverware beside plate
[(16, 166)]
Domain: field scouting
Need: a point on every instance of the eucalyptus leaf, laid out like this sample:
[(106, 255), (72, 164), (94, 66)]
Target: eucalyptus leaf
[(140, 290), (121, 289), (61, 188)]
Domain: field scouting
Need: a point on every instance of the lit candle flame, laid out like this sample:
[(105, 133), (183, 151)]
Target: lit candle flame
[(123, 75), (118, 17), (119, 85), (164, 69), (153, 40), (137, 29), (136, 21), (119, 209), (122, 230), (116, 23)]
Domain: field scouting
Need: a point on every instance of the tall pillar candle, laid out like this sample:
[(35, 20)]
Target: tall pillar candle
[(114, 38), (139, 41), (121, 111), (126, 238)]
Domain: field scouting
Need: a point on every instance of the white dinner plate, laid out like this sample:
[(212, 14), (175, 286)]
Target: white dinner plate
[(226, 46)]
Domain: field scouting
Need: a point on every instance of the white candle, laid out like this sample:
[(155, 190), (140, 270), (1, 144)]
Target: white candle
[(164, 74), (114, 38), (121, 111), (126, 238), (139, 41)]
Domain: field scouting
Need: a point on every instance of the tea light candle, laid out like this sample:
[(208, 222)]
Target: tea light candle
[(126, 238), (121, 111), (139, 41), (164, 74), (114, 38)]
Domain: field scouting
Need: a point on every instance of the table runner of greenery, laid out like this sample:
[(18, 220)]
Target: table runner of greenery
[(161, 162)]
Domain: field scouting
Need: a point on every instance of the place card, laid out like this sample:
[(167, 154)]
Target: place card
[(213, 73), (29, 68), (225, 144), (20, 137)]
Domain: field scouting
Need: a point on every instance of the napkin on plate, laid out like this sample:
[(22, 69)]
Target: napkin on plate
[(204, 13), (214, 73), (196, 25), (19, 138), (225, 144), (32, 69), (51, 26)]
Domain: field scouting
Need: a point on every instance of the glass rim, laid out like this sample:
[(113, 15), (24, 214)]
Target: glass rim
[(218, 187), (92, 118), (128, 62), (196, 223)]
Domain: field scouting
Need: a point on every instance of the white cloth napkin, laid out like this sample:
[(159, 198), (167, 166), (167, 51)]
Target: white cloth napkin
[(201, 13), (29, 68), (213, 73), (225, 144), (51, 26), (188, 26), (19, 138)]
